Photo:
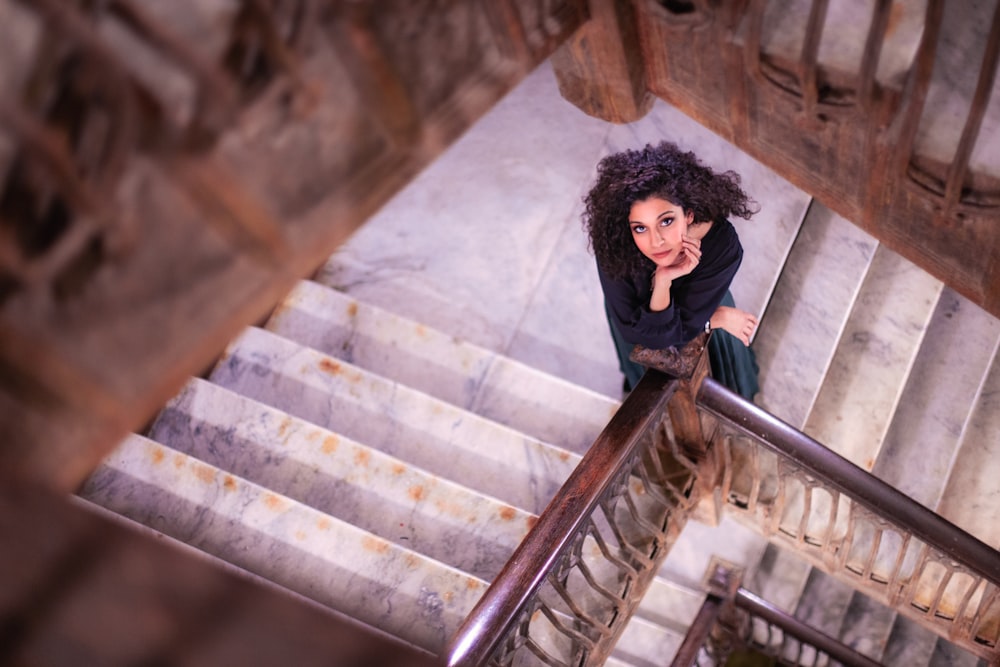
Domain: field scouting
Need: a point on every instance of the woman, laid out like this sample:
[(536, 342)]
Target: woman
[(666, 255)]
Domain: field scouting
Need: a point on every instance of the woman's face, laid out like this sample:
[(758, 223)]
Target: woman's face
[(657, 229)]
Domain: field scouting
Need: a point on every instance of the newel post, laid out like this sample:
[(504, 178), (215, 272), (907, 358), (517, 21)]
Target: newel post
[(692, 431)]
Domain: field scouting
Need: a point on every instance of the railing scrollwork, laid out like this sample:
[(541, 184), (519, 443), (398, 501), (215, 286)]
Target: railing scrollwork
[(573, 583)]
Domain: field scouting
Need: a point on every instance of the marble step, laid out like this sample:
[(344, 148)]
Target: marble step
[(971, 499), (909, 644), (465, 375), (947, 654), (807, 314), (345, 479), (645, 644), (779, 577), (867, 626), (873, 358), (824, 602), (670, 604), (937, 404), (273, 536), (416, 428), (691, 554)]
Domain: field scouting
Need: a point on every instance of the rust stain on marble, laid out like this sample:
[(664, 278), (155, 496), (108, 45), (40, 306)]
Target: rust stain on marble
[(352, 309), (507, 513), (274, 503), (330, 366), (362, 457), (330, 443), (157, 455), (286, 423), (229, 483), (416, 493), (375, 544), (204, 473), (324, 524)]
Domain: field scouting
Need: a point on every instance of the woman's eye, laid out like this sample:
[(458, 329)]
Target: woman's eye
[(666, 222), (639, 229)]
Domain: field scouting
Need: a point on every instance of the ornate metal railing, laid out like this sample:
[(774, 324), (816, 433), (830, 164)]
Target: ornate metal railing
[(854, 526), (732, 619), (569, 589)]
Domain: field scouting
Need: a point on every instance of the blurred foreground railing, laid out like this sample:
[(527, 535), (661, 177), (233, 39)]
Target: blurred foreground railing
[(854, 526)]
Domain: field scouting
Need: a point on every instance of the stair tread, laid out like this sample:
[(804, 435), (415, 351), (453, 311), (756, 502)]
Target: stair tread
[(824, 602), (466, 375), (670, 604), (867, 626), (971, 499), (938, 399), (440, 519), (296, 546), (417, 428), (779, 577), (691, 553), (645, 644), (873, 358), (811, 303), (909, 643)]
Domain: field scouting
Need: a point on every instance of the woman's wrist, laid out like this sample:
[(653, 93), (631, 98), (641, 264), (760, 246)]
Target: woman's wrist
[(660, 299)]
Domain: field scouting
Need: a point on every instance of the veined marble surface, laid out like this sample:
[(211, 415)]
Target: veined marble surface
[(402, 422), (296, 546), (873, 359), (939, 399), (356, 484), (779, 577), (799, 332), (467, 376), (971, 498)]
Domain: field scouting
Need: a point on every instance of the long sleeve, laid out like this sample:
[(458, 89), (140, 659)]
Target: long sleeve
[(693, 298)]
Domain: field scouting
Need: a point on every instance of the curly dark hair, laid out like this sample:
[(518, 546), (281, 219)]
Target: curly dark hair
[(663, 171)]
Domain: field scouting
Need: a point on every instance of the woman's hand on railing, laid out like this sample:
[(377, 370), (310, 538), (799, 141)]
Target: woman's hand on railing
[(738, 322)]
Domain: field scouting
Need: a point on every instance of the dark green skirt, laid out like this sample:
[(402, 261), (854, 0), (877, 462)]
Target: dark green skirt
[(732, 363)]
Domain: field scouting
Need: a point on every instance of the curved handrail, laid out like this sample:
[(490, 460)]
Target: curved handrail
[(496, 613), (865, 488), (807, 634)]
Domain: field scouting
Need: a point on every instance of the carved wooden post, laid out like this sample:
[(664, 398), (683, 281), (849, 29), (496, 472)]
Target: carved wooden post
[(600, 68), (693, 432)]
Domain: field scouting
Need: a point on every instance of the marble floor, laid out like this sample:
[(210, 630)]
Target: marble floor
[(487, 244)]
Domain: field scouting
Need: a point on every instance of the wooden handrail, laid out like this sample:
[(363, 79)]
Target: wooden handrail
[(806, 634), (866, 489), (496, 613)]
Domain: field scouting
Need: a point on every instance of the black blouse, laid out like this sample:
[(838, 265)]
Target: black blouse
[(693, 298)]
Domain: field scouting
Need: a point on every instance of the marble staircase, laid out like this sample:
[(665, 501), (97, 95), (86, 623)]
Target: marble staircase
[(384, 441)]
